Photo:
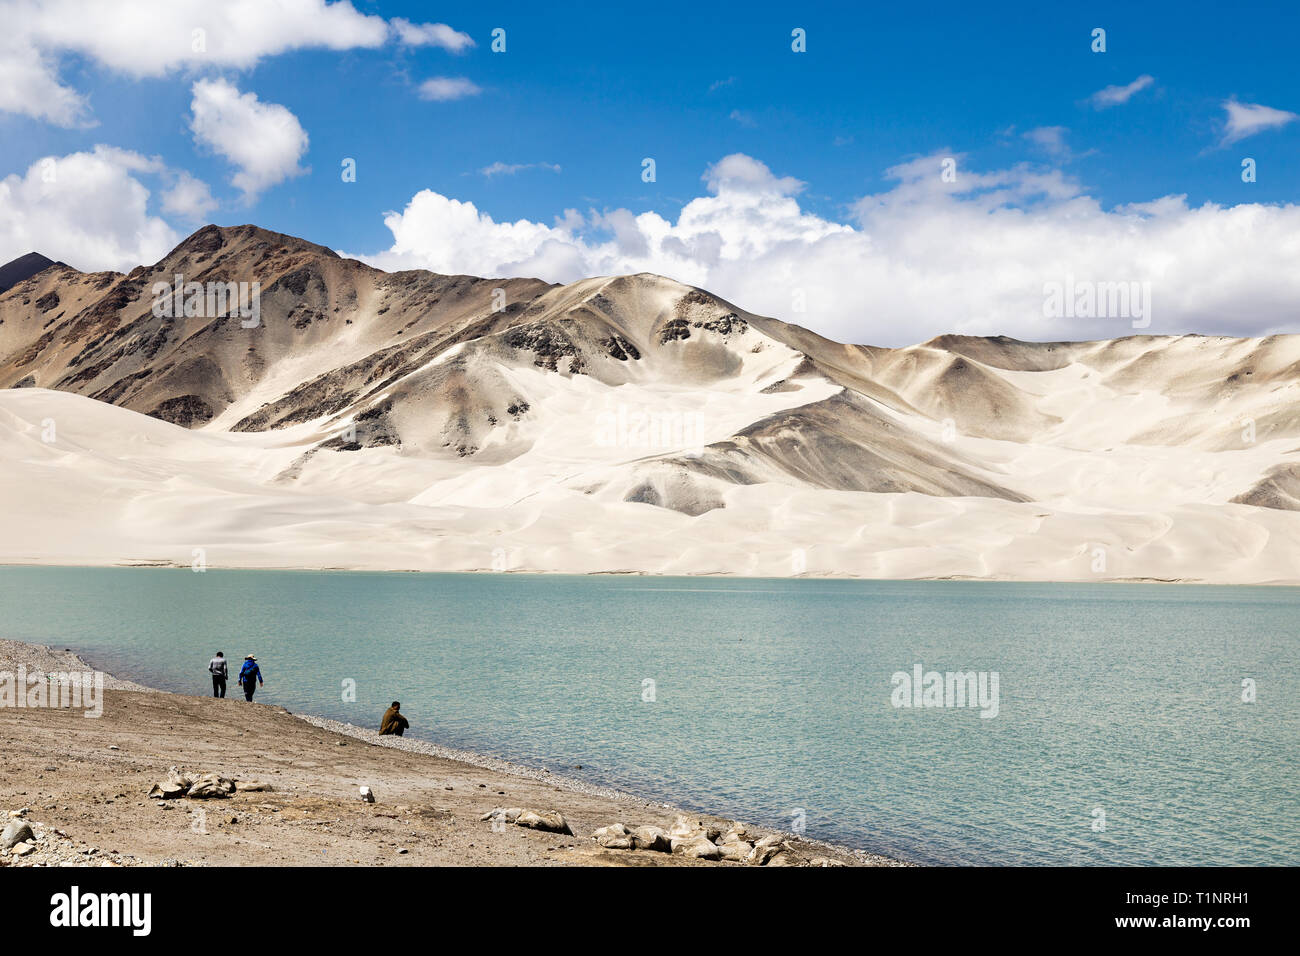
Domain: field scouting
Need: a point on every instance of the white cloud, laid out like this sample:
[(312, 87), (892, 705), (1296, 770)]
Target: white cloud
[(752, 213), (1050, 139), (460, 239), (264, 141), (509, 169), (921, 258), (741, 173), (431, 34), (28, 85), (1247, 119), (88, 209), (188, 197), (444, 88), (155, 38), (1118, 95)]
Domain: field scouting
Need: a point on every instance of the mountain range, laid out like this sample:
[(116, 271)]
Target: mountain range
[(411, 420)]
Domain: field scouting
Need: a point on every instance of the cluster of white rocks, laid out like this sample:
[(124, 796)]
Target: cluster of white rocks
[(202, 786), (699, 840), (551, 821)]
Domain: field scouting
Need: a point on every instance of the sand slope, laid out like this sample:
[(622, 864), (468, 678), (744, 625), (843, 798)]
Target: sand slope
[(415, 421)]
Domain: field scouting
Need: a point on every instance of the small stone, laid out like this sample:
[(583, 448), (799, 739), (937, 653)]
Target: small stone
[(402, 850), (736, 851), (652, 838), (774, 851), (552, 821), (509, 814), (14, 833), (684, 827), (698, 848), (786, 856), (176, 785), (210, 785), (735, 834), (616, 836), (367, 795)]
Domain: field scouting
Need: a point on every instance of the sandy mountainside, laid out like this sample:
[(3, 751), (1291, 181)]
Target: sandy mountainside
[(357, 418)]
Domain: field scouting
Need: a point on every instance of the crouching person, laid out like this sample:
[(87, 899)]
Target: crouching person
[(393, 723)]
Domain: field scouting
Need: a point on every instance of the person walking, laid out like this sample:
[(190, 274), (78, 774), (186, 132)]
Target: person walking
[(249, 674), (393, 722), (217, 668)]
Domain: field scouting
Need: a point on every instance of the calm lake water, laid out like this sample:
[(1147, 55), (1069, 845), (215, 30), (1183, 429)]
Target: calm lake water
[(774, 696)]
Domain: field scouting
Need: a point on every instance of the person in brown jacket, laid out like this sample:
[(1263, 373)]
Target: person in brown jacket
[(393, 723)]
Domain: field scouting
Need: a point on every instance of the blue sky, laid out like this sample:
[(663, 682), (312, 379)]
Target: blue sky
[(583, 94)]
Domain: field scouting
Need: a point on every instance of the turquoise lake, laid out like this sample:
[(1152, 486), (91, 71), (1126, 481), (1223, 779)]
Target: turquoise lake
[(772, 697)]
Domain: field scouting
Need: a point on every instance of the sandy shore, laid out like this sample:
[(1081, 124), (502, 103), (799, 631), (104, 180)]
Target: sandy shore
[(82, 785)]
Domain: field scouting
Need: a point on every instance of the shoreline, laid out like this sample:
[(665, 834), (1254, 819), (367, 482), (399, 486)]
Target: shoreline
[(427, 759), (169, 565)]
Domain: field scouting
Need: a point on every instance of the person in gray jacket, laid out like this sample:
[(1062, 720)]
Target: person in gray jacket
[(217, 668)]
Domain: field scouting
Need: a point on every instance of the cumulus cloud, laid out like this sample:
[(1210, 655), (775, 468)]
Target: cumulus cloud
[(431, 34), (444, 88), (1118, 95), (188, 197), (29, 85), (264, 141), (88, 209), (921, 258), (1247, 119), (741, 173), (155, 38)]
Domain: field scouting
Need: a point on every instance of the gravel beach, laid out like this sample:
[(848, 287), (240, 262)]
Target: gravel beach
[(76, 790)]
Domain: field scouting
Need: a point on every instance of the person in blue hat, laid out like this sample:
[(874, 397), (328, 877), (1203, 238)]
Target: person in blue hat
[(250, 676)]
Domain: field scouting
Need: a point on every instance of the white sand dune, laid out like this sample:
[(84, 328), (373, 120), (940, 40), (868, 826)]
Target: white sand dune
[(619, 425), (119, 487)]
